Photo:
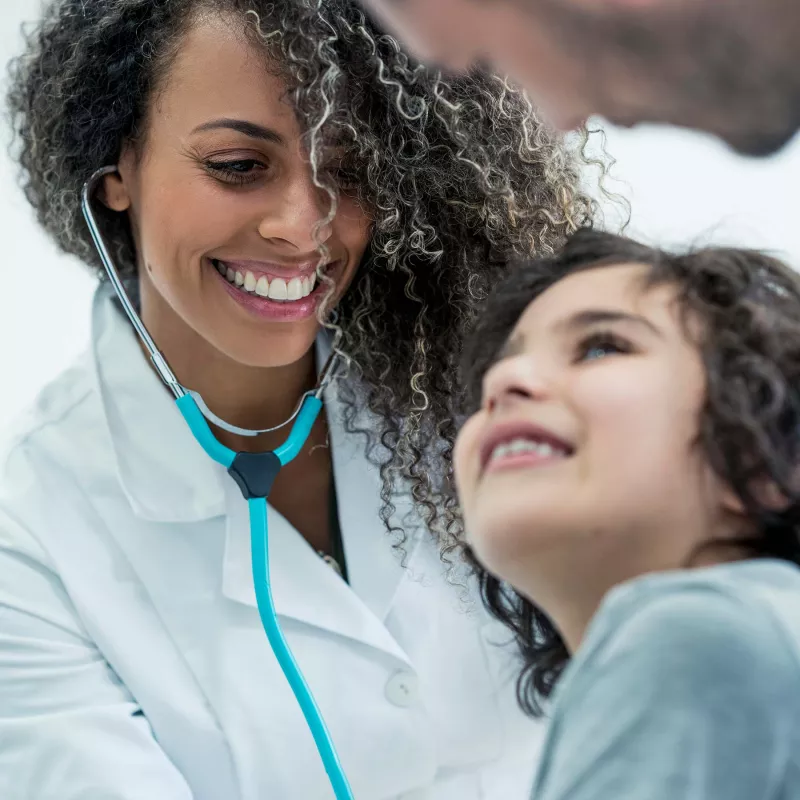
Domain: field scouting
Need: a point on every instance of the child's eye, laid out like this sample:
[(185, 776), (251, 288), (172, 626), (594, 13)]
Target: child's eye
[(601, 345)]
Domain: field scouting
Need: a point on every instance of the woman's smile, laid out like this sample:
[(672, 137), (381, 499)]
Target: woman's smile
[(273, 290)]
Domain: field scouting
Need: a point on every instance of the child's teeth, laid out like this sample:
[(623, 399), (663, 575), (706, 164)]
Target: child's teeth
[(278, 290), (306, 287), (517, 446), (230, 275), (239, 278), (500, 451), (312, 282), (250, 282), (294, 289), (262, 287)]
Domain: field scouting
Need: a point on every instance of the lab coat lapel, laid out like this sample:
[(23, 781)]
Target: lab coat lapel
[(163, 471), (304, 587), (375, 567)]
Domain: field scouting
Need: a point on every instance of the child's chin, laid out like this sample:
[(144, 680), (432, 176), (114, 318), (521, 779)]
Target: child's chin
[(502, 539)]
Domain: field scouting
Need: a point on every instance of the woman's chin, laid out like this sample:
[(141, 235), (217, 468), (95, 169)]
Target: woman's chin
[(276, 350)]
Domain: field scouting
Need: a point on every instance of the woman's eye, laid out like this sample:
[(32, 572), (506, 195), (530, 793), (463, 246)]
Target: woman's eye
[(240, 170), (601, 345)]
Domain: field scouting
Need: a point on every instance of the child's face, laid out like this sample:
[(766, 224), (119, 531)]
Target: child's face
[(587, 434)]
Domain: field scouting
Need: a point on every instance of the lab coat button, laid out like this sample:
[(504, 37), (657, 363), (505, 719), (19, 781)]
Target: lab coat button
[(402, 689)]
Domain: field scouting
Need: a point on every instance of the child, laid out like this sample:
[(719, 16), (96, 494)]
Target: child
[(630, 468)]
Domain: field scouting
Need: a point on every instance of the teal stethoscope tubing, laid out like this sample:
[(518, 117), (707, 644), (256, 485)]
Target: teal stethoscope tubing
[(255, 493), (259, 543)]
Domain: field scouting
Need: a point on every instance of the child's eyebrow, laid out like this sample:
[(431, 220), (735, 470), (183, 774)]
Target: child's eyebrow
[(582, 319), (596, 316), (513, 347)]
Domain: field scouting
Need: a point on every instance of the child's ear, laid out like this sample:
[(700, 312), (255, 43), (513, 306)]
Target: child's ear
[(772, 497), (731, 503), (765, 490)]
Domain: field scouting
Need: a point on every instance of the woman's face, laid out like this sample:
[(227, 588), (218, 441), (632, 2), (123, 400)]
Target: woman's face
[(586, 438), (223, 206)]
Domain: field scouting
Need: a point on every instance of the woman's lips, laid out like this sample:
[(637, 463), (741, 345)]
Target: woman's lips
[(278, 299), (296, 286)]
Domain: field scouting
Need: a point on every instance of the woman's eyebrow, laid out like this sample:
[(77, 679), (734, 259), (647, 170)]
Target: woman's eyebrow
[(596, 316), (251, 129)]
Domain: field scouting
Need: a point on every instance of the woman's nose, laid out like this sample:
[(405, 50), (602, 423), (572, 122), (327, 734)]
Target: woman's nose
[(299, 218), (512, 381)]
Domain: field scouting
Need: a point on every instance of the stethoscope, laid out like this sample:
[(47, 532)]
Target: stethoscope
[(254, 473)]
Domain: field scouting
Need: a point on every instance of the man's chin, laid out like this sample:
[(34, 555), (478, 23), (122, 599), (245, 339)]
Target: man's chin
[(762, 144), (752, 144)]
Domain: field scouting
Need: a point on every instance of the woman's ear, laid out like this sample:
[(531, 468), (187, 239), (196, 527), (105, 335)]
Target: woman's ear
[(115, 191)]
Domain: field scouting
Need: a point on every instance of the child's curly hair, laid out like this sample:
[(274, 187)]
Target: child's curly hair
[(748, 307)]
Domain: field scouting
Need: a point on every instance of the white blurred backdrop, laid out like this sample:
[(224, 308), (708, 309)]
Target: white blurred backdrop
[(683, 188)]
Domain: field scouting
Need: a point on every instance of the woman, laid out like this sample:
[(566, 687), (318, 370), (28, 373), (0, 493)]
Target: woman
[(631, 468), (250, 139)]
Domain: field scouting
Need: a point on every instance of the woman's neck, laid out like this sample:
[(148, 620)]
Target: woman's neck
[(256, 398)]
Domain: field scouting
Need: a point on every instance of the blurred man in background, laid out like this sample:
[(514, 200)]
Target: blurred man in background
[(729, 67)]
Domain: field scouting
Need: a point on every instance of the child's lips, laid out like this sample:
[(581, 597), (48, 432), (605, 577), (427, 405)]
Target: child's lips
[(524, 441)]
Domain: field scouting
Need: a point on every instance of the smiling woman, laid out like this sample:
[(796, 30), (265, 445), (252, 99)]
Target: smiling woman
[(279, 172), (240, 197)]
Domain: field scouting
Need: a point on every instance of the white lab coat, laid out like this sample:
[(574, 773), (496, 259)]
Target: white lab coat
[(133, 665)]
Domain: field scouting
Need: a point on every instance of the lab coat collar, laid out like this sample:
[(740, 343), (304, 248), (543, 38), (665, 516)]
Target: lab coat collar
[(167, 477), (375, 568), (164, 473)]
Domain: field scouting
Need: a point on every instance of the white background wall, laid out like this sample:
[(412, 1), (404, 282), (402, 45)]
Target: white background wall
[(683, 188)]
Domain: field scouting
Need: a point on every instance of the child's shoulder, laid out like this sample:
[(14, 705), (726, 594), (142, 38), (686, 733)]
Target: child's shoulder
[(738, 592), (683, 680), (729, 619)]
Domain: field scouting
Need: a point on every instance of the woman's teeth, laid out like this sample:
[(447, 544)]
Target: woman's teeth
[(518, 446), (275, 289)]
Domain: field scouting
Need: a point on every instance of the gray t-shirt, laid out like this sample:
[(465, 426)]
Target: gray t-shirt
[(686, 687)]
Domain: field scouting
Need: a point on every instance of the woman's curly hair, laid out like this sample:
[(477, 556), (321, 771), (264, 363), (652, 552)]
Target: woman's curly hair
[(748, 309), (459, 174)]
